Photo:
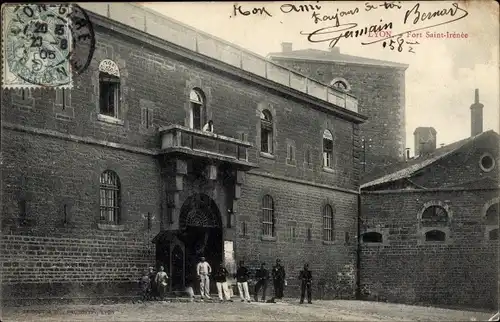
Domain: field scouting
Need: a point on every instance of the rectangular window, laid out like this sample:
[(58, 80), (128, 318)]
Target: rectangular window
[(109, 95), (290, 154), (266, 141), (268, 217), (196, 116), (291, 231), (308, 158), (243, 228), (327, 153), (147, 117), (23, 216), (308, 232), (63, 98)]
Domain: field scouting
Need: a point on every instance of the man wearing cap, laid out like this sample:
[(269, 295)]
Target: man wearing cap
[(278, 279), (262, 275), (203, 270)]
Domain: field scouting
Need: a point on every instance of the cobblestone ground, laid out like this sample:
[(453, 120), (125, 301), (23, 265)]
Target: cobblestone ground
[(288, 310)]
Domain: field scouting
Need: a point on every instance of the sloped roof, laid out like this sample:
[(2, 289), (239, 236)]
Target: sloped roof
[(333, 56), (407, 169)]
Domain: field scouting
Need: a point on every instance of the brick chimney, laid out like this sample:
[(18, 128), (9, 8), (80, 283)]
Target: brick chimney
[(476, 116), (286, 47), (425, 140)]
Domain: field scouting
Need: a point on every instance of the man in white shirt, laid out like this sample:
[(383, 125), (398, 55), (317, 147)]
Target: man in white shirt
[(203, 270), (209, 127)]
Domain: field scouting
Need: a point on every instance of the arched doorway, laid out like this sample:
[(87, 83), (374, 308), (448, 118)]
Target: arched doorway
[(200, 226)]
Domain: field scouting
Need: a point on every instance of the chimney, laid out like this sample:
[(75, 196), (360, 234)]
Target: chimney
[(286, 47), (476, 116), (425, 140)]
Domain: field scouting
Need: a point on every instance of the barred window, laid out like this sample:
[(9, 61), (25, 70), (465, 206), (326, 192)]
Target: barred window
[(110, 197), (328, 223), (434, 216), (268, 220), (492, 215)]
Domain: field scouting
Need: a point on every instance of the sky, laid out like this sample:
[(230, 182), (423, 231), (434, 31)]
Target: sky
[(442, 72)]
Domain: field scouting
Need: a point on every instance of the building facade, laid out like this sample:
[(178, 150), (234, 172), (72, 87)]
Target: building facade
[(429, 226), (120, 173), (379, 87)]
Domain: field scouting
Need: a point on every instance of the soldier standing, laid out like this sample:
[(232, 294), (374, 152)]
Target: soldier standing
[(278, 279), (242, 282), (305, 277), (161, 282), (203, 270), (262, 275)]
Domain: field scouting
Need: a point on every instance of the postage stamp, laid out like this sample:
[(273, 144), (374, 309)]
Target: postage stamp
[(44, 45)]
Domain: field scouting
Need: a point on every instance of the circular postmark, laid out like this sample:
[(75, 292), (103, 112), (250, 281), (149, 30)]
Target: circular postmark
[(46, 43)]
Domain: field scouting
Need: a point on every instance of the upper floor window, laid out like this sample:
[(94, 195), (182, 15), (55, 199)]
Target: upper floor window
[(110, 197), (372, 237), (109, 89), (197, 109), (328, 223), (340, 85), (327, 149), (268, 220), (266, 132)]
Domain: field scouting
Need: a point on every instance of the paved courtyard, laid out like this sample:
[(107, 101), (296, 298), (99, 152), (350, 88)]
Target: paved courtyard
[(288, 310)]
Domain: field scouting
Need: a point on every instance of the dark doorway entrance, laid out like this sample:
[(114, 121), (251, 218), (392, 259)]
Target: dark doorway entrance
[(200, 227)]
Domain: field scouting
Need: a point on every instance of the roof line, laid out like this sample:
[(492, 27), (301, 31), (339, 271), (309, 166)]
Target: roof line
[(383, 64)]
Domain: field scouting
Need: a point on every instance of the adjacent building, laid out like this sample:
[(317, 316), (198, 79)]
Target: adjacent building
[(379, 87), (120, 173), (429, 225)]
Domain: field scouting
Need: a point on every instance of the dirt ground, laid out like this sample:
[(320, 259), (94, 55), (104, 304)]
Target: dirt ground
[(288, 310)]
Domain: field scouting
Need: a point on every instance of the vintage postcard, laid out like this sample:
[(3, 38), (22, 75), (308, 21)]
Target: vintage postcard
[(290, 161)]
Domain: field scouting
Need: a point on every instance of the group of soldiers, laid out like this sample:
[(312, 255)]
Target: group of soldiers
[(151, 282)]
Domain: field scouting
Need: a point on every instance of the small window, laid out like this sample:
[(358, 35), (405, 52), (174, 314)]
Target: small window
[(347, 237), (308, 232), (110, 197), (493, 234), (290, 155), (327, 149), (291, 231), (340, 85), (372, 237), (268, 219), (147, 115), (23, 214), (266, 132), (492, 215), (197, 109), (487, 163), (109, 89), (328, 232), (308, 157), (435, 235), (243, 228), (63, 98)]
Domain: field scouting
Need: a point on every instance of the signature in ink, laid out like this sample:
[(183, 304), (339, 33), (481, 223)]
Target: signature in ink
[(420, 17), (345, 32)]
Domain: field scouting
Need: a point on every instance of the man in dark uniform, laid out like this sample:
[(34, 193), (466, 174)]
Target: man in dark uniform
[(262, 275), (278, 279), (305, 277), (152, 288)]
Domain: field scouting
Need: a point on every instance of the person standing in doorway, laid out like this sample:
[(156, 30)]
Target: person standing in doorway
[(161, 282), (242, 282), (222, 288), (278, 279), (204, 270), (305, 277), (262, 276)]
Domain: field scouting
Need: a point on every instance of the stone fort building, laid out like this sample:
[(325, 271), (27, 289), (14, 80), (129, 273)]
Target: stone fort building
[(117, 174), (379, 87)]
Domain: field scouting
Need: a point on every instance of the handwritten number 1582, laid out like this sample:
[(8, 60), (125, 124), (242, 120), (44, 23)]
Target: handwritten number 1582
[(399, 44)]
